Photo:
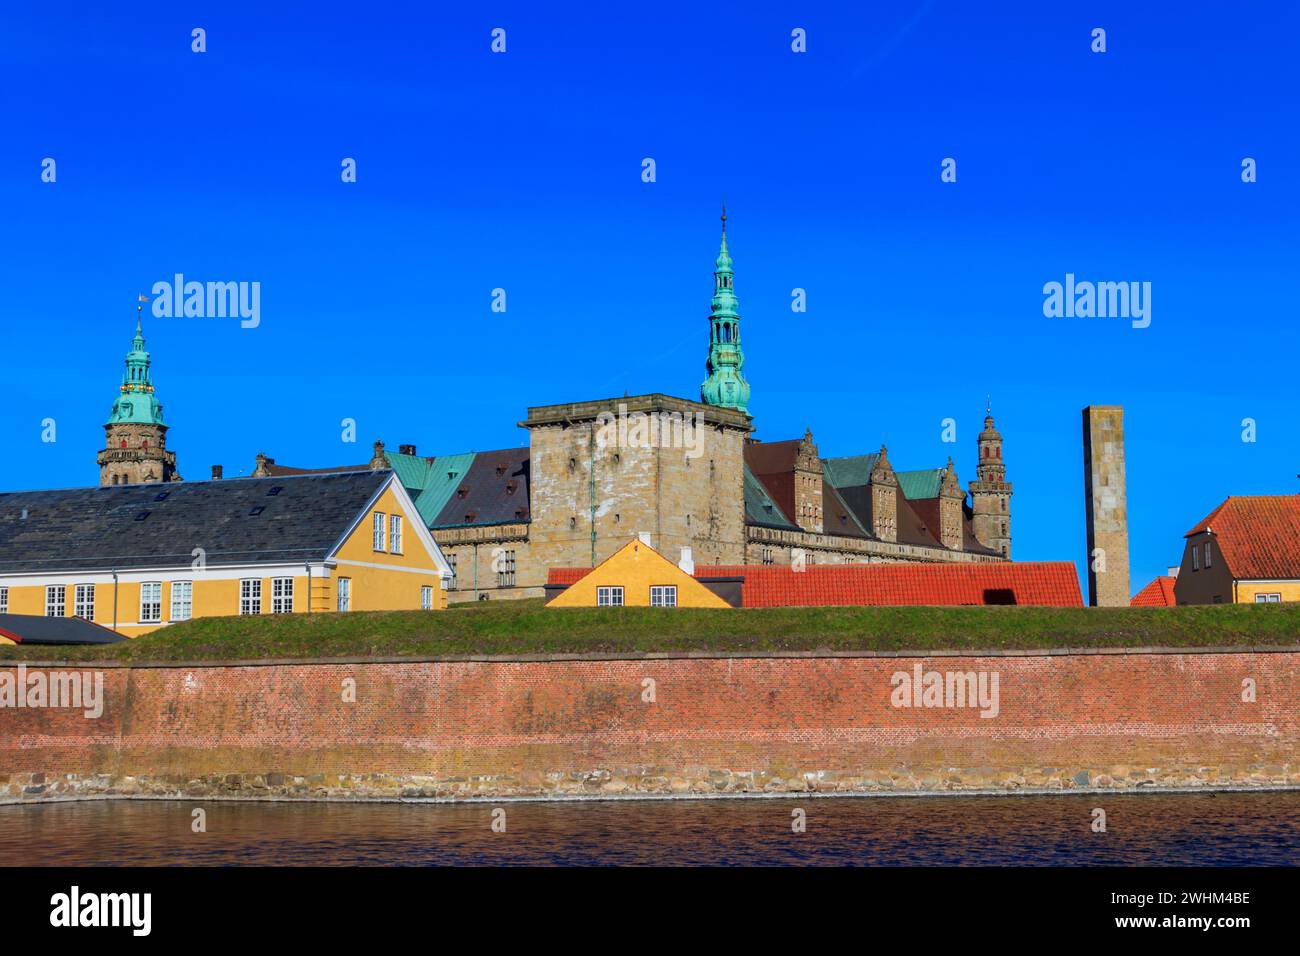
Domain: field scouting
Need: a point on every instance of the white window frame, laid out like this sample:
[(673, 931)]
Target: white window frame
[(83, 602), (506, 576), (250, 596), (4, 600), (281, 595), (150, 602), (394, 534), (1268, 597), (182, 600), (426, 598), (344, 588), (611, 596), (377, 528), (663, 595), (56, 600)]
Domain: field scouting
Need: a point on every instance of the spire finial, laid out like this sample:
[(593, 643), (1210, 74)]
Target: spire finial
[(724, 215), (988, 405)]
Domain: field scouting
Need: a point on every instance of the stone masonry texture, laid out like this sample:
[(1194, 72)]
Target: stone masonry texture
[(1106, 505), (506, 728)]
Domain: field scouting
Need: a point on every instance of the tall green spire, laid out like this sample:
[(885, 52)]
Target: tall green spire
[(136, 401), (726, 385)]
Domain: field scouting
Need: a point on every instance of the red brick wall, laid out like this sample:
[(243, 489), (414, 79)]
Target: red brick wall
[(502, 728)]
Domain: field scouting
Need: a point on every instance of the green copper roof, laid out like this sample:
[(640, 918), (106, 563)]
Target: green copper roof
[(850, 472), (430, 481), (920, 484), (759, 506), (136, 403), (725, 386)]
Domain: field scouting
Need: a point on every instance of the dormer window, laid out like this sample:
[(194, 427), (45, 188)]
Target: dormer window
[(462, 491)]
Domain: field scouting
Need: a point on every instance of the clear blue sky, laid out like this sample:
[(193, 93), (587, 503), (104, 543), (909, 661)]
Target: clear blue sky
[(522, 171)]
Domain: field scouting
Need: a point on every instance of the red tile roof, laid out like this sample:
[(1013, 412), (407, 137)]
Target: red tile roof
[(1052, 583), (1258, 535), (1159, 593)]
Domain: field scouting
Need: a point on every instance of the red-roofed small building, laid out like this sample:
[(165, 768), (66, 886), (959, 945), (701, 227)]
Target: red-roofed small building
[(1159, 593), (1043, 583), (1247, 550)]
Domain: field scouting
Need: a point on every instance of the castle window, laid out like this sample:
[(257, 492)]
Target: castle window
[(609, 597), (55, 598), (451, 560), (250, 596), (281, 595), (377, 532), (767, 556), (617, 517), (182, 600), (573, 463), (84, 602), (151, 602), (573, 522), (505, 563), (663, 596)]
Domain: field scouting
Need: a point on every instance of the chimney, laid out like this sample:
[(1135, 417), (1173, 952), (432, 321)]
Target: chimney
[(406, 450), (687, 563), (216, 472), (261, 470), (1173, 572), (1105, 505), (645, 538)]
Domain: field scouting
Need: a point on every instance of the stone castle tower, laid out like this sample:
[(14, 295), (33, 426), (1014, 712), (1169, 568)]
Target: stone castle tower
[(135, 447), (726, 386), (990, 492)]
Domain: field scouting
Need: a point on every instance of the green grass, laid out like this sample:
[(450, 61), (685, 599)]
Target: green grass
[(525, 627)]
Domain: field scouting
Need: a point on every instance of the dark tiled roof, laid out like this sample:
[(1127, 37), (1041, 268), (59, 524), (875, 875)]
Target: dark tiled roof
[(494, 490), (34, 629), (146, 526), (1258, 535)]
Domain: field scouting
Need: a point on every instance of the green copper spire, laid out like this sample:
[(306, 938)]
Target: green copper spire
[(725, 386), (137, 402)]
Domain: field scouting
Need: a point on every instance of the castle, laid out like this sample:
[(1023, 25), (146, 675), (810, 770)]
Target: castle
[(135, 443), (688, 476)]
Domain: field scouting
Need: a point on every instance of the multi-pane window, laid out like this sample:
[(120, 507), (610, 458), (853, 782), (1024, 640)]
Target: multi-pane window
[(151, 602), (1275, 598), (663, 596), (395, 534), (609, 597), (378, 542), (505, 562), (426, 598), (83, 603), (4, 600), (1196, 558), (767, 556), (281, 595), (451, 561), (56, 597), (1207, 554), (345, 594), (250, 596), (182, 600)]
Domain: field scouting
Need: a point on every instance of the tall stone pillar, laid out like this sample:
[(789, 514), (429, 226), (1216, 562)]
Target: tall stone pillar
[(1106, 504)]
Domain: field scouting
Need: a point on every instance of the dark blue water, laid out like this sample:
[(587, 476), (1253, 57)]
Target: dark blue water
[(1141, 830)]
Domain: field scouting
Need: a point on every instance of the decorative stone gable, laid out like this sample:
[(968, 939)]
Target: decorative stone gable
[(884, 499)]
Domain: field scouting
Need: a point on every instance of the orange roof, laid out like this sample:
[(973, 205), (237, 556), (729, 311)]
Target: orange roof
[(1052, 583), (1258, 535), (1159, 593)]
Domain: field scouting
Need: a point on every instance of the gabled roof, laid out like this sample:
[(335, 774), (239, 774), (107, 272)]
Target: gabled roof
[(1047, 583), (760, 508), (34, 629), (494, 489), (920, 484), (1159, 593), (851, 472), (430, 481), (635, 562), (1258, 535), (121, 527)]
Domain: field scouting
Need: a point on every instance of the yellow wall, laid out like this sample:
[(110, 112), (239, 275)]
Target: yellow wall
[(635, 567), (394, 585), (1246, 590)]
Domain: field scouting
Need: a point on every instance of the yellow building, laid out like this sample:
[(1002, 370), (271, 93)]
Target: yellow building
[(139, 557), (636, 575), (1246, 551)]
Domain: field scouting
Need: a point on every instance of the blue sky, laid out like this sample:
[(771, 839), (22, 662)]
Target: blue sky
[(523, 171)]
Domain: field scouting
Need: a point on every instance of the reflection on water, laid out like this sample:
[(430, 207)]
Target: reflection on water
[(1148, 829)]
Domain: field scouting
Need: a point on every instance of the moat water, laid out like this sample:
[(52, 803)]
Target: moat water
[(1223, 829)]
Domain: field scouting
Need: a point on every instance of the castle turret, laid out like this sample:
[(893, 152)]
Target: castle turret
[(135, 447), (726, 385), (991, 492)]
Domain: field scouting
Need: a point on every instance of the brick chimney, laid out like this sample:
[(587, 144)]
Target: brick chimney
[(216, 472), (406, 450)]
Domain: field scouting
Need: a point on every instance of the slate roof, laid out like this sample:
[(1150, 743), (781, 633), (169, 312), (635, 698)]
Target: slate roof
[(1159, 593), (159, 525), (34, 629), (760, 508), (495, 489), (1045, 583), (1258, 535)]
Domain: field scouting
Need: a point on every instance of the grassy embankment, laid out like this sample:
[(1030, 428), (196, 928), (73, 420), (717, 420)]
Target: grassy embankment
[(525, 627)]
